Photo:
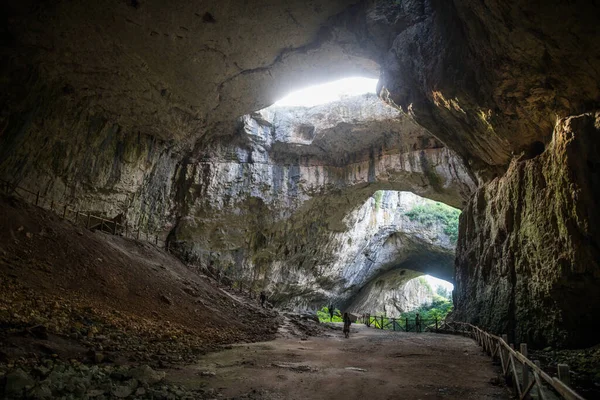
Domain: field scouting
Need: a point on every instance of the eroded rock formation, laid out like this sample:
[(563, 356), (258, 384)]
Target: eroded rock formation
[(391, 296), (528, 254), (281, 208)]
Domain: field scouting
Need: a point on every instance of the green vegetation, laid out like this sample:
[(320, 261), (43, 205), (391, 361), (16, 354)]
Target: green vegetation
[(443, 292), (424, 283), (324, 316), (378, 195), (439, 308), (432, 212)]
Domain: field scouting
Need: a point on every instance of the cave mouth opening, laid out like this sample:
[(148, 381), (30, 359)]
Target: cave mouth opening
[(439, 286), (328, 92), (407, 244)]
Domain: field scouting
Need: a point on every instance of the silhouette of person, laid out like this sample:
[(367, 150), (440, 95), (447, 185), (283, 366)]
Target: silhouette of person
[(331, 312), (263, 298), (418, 323), (347, 324)]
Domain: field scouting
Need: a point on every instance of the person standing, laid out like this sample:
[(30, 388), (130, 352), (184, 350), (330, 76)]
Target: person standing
[(347, 324), (263, 298), (418, 323), (331, 312)]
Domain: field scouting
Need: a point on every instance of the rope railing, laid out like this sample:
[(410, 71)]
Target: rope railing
[(527, 378), (79, 217)]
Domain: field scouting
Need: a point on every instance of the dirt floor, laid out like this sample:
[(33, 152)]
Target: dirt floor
[(372, 364)]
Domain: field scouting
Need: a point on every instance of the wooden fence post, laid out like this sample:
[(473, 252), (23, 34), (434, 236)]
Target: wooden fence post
[(436, 324), (563, 374), (156, 240), (37, 198), (406, 324), (87, 223), (76, 215), (138, 234), (536, 376), (524, 368), (115, 225)]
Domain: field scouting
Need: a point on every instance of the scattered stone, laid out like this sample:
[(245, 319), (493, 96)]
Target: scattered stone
[(38, 332), (95, 393), (147, 375), (40, 372), (166, 300), (40, 392), (122, 391), (356, 369), (96, 357), (207, 373), (295, 368), (16, 382)]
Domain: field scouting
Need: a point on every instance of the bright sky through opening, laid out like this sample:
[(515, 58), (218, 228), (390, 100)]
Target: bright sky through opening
[(328, 92), (435, 282)]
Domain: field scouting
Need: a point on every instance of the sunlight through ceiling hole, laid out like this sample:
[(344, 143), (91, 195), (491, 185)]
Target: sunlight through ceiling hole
[(328, 92), (435, 282)]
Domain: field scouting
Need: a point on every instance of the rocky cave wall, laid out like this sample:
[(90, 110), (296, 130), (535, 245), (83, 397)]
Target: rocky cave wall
[(134, 107), (391, 296), (528, 253), (274, 210)]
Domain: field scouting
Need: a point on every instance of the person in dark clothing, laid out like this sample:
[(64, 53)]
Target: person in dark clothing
[(331, 312), (347, 324), (418, 323), (263, 298)]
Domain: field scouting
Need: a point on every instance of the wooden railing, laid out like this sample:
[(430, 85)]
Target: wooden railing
[(527, 378), (77, 216), (400, 324)]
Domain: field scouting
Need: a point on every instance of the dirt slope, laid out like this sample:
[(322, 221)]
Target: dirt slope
[(80, 285)]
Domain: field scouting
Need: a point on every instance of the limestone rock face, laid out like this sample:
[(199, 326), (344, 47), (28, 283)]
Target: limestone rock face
[(391, 297), (528, 255), (276, 206), (489, 79)]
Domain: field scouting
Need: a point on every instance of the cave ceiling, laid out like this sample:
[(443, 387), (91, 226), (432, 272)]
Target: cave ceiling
[(488, 79)]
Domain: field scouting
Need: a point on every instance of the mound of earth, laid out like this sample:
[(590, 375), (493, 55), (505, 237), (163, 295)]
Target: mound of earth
[(69, 295)]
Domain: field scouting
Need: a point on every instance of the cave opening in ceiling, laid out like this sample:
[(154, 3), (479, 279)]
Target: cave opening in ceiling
[(328, 92)]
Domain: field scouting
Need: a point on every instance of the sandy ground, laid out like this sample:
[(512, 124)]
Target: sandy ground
[(372, 364)]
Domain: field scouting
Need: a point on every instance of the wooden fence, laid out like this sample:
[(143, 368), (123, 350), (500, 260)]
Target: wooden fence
[(400, 324), (525, 376), (79, 217)]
